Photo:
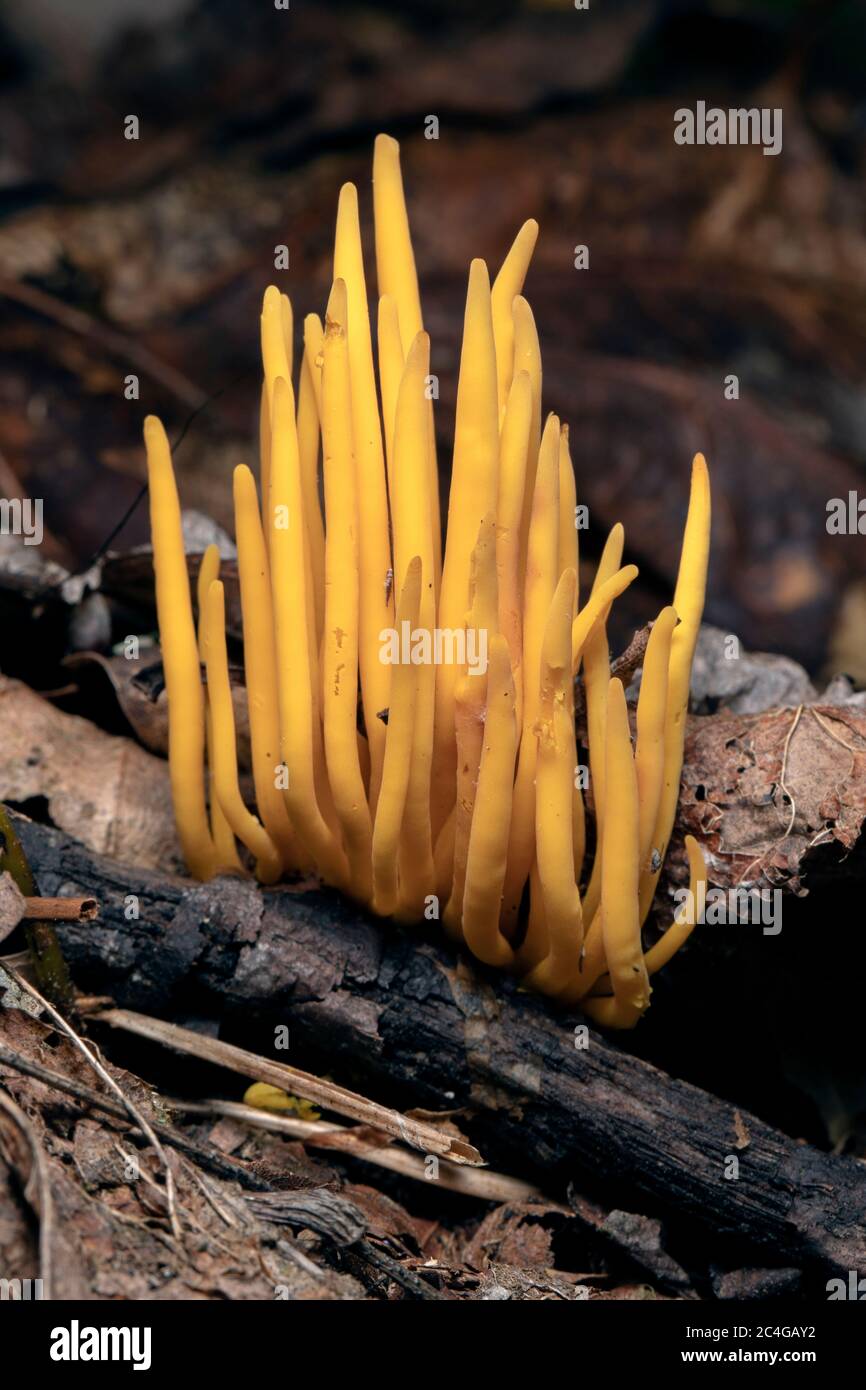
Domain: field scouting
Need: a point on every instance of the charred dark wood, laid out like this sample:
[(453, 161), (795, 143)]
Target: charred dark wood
[(411, 1019)]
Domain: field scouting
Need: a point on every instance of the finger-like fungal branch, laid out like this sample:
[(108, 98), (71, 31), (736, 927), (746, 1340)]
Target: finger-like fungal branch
[(180, 658), (540, 584), (689, 605), (621, 861), (474, 487), (221, 830), (513, 451), (260, 667), (412, 538), (376, 604), (554, 834), (397, 762), (248, 829), (343, 618), (487, 854), (507, 285)]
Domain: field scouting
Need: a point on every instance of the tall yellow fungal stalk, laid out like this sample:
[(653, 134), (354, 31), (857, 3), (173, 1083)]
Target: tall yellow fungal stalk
[(180, 657), (411, 709)]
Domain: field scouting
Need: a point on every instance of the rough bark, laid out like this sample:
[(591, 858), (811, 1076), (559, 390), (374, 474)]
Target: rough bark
[(413, 1021)]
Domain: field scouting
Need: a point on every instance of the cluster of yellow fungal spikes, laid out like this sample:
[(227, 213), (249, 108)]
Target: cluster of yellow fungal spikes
[(411, 712)]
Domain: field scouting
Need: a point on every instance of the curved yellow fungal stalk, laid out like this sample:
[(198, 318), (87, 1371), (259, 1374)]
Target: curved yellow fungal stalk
[(578, 820), (340, 641), (612, 1013), (275, 358), (398, 756), (287, 320), (471, 700), (186, 719), (569, 557), (260, 666), (300, 731), (684, 923), (265, 450), (541, 579), (689, 604), (488, 839), (276, 367), (685, 918), (391, 363), (309, 406), (248, 829), (398, 280), (308, 425), (412, 537), (395, 259), (620, 862), (443, 856), (474, 487), (595, 610), (554, 784), (314, 337), (592, 966), (507, 285), (649, 749), (527, 358), (221, 831), (513, 447), (376, 598), (596, 675)]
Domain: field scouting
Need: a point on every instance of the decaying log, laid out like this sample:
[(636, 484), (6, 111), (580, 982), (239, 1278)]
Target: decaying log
[(414, 1022)]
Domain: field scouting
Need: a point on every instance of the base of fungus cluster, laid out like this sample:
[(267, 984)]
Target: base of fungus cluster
[(396, 1017)]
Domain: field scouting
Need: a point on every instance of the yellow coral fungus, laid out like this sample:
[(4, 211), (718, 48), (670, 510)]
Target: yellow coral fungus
[(180, 656), (554, 805), (223, 835), (412, 717), (225, 767)]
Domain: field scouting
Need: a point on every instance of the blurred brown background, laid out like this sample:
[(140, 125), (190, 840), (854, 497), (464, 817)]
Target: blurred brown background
[(150, 256)]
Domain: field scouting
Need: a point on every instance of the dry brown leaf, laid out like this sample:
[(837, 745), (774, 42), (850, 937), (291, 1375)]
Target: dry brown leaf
[(106, 791), (516, 1233), (11, 905), (759, 791)]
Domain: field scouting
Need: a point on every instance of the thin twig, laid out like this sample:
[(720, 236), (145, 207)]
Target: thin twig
[(212, 1200), (206, 1156), (480, 1183), (625, 665), (137, 1115), (61, 909), (784, 769), (426, 1137), (394, 1270)]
